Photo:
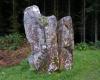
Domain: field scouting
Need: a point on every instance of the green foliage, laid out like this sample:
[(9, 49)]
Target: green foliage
[(86, 67), (87, 46), (11, 41), (14, 24), (82, 46), (97, 44), (92, 46)]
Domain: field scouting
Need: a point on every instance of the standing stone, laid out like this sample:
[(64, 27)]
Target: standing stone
[(52, 45), (65, 42), (41, 34)]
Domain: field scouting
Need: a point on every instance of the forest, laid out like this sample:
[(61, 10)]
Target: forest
[(85, 15)]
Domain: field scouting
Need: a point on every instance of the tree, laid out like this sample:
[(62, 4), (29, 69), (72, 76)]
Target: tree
[(96, 22), (44, 7), (1, 19), (56, 8), (69, 7), (29, 2), (83, 19), (14, 18), (93, 8)]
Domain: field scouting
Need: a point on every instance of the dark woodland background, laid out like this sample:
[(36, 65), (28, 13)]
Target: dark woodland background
[(85, 15)]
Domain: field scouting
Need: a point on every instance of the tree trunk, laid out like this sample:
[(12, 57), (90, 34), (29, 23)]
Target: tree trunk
[(83, 20), (56, 8), (96, 23), (69, 7), (14, 23), (44, 7)]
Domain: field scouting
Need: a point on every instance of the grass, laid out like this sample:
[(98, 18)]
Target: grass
[(86, 67)]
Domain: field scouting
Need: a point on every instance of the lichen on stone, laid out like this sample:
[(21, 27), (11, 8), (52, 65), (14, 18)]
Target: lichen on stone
[(43, 21)]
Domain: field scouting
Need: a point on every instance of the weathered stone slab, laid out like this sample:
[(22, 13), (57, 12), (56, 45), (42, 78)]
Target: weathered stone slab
[(65, 42), (41, 34)]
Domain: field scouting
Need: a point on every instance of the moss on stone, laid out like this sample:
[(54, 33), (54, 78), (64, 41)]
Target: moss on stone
[(43, 21)]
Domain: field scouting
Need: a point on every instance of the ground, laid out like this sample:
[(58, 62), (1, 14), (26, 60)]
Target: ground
[(10, 58), (86, 67)]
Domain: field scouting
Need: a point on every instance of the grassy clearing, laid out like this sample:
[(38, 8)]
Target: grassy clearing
[(86, 67)]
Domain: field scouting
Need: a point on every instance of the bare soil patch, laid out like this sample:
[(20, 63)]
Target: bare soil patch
[(10, 58)]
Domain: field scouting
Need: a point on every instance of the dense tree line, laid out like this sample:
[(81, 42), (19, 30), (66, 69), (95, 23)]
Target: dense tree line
[(85, 14)]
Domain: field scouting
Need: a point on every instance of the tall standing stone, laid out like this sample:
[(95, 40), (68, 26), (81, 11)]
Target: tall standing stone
[(52, 45), (65, 42), (41, 34)]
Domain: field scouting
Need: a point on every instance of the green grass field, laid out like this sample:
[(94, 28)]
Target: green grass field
[(86, 67)]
